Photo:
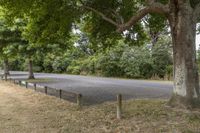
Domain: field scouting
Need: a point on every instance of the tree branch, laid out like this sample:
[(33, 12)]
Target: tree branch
[(153, 8), (102, 15), (149, 2)]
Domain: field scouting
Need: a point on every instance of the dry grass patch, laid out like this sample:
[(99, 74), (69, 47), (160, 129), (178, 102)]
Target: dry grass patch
[(23, 111), (40, 80)]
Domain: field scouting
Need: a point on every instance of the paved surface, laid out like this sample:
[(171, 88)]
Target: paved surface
[(98, 90)]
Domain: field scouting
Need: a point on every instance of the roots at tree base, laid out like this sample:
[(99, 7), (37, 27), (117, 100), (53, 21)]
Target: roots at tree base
[(177, 101), (31, 77)]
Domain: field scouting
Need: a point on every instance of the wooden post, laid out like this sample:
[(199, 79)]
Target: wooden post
[(26, 84), (45, 89), (119, 106), (6, 76), (34, 86), (79, 100), (20, 82), (60, 93)]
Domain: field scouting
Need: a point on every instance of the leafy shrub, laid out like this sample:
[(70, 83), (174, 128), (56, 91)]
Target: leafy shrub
[(136, 62)]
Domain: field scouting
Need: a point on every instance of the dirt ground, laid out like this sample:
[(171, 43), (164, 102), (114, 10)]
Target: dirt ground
[(25, 111)]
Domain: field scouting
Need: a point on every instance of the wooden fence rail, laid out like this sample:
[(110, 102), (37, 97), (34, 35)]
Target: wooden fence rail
[(60, 93)]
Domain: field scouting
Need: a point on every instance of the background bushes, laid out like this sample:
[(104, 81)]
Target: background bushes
[(119, 61)]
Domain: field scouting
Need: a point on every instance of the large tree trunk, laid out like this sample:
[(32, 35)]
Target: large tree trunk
[(186, 82), (6, 69), (30, 68)]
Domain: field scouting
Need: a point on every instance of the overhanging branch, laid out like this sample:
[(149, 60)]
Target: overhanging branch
[(149, 2), (153, 7), (102, 15)]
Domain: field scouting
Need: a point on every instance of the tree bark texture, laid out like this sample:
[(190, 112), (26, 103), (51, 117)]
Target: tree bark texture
[(30, 68), (6, 67), (183, 31)]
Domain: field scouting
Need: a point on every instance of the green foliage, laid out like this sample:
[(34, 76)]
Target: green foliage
[(88, 65), (161, 56), (51, 21), (46, 31), (108, 64), (10, 38), (75, 67), (47, 21), (120, 60), (137, 63)]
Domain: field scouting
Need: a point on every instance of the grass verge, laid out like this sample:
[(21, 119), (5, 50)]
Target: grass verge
[(23, 111), (39, 80)]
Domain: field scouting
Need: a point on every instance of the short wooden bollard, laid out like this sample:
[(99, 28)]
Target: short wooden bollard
[(26, 84), (6, 77), (119, 106), (45, 89), (34, 86), (20, 82), (60, 94), (79, 100)]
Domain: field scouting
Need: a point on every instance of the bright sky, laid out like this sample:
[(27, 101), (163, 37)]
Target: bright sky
[(197, 41)]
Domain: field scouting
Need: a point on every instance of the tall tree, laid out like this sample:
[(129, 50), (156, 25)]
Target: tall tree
[(9, 37), (182, 15)]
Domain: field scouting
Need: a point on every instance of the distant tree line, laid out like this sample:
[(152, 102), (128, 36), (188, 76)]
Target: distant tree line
[(120, 60)]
